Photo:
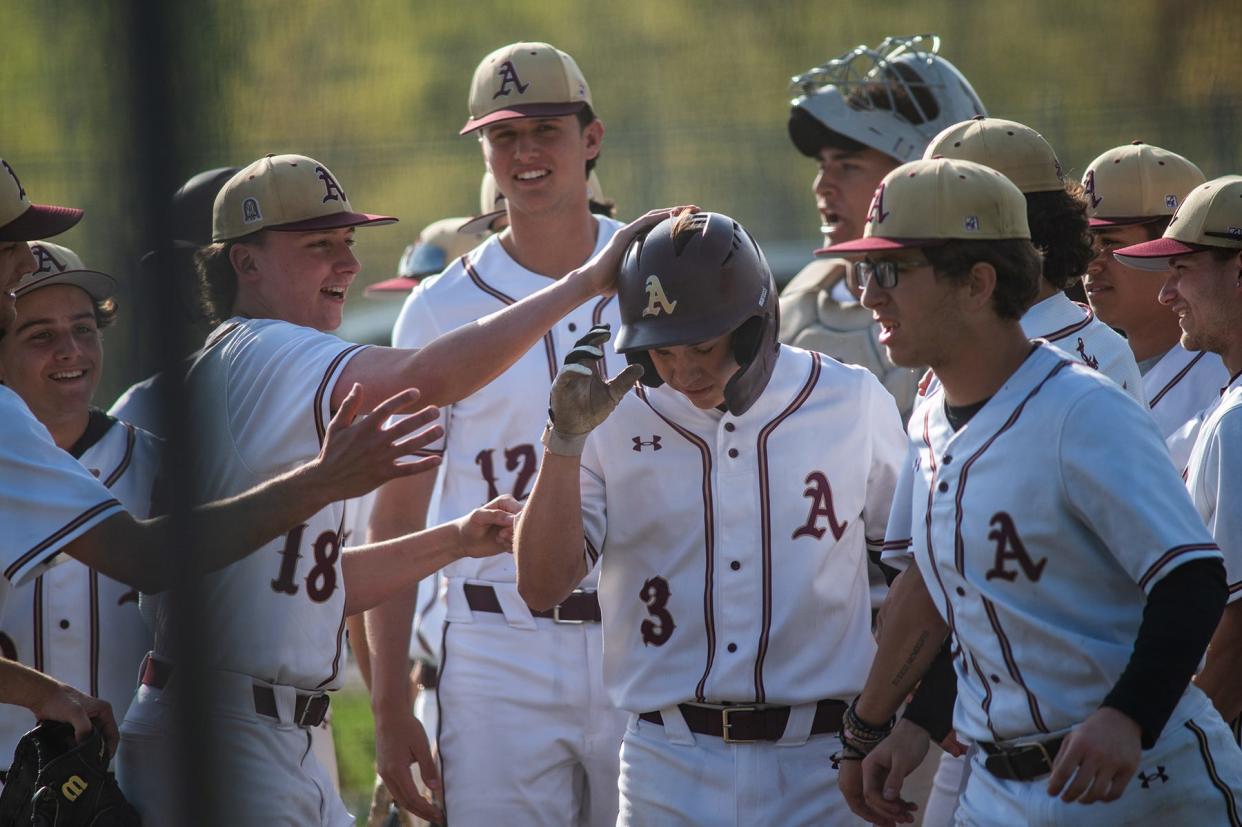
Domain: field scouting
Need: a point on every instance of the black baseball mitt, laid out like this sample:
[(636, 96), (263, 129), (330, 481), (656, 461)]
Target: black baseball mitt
[(55, 782)]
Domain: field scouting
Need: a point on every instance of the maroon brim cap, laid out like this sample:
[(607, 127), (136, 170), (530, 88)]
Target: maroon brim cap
[(530, 110), (1124, 221), (1154, 255), (40, 221), (391, 287), (481, 223), (876, 244), (334, 221)]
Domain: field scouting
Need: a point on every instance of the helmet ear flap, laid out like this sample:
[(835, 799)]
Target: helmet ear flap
[(650, 377), (746, 340)]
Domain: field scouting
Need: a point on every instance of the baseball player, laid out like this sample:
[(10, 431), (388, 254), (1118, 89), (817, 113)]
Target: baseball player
[(527, 734), (1200, 254), (858, 116), (1132, 191), (266, 380), (1058, 223), (53, 507), (1078, 612), (71, 622), (706, 642)]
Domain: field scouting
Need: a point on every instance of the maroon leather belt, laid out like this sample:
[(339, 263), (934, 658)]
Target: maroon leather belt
[(743, 724), (1021, 762), (308, 709), (579, 607)]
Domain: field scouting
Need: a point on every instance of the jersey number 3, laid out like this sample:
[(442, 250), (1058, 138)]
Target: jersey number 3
[(321, 579), (657, 630)]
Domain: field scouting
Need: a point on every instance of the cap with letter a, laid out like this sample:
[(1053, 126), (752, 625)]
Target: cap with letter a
[(438, 245), (1015, 150), (1211, 216), (1137, 183), (60, 265), (290, 193), (22, 221), (926, 203), (525, 80)]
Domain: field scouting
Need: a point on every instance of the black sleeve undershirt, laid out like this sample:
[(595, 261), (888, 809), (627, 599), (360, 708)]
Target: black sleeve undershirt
[(1179, 619)]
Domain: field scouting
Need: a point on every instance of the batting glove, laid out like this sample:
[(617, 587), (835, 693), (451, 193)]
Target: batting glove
[(581, 399)]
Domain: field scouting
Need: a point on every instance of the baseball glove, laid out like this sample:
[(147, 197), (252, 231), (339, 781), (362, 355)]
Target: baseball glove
[(55, 782)]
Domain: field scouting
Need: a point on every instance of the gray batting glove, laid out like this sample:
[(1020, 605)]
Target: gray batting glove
[(581, 399)]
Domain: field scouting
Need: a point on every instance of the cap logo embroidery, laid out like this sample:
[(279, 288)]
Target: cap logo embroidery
[(971, 222), (508, 75), (657, 302), (47, 262), (1234, 232), (1088, 187), (876, 212), (333, 189), (21, 191), (1170, 201), (250, 211)]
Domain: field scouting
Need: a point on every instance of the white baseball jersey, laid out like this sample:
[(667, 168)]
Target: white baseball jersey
[(138, 405), (1034, 544), (491, 445), (262, 389), (1178, 389), (1214, 478), (48, 499), (1074, 329), (71, 622), (734, 548)]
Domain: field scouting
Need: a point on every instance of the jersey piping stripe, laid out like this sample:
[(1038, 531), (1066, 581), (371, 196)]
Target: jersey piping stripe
[(1070, 330), (897, 545), (1169, 556), (93, 578), (987, 693), (591, 551), (340, 584), (765, 519), (597, 316), (320, 428), (38, 624), (1181, 374), (1011, 665), (709, 519), (444, 661), (549, 346), (123, 465), (70, 527), (1209, 764), (219, 337)]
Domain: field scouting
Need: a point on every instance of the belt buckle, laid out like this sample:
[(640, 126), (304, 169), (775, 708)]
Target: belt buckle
[(310, 709), (1043, 751), (726, 725), (556, 613)]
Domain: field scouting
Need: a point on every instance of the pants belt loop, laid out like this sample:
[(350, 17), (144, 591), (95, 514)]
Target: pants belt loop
[(798, 727), (675, 729)]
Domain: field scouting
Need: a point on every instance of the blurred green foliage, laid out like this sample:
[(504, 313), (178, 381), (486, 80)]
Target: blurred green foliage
[(694, 95)]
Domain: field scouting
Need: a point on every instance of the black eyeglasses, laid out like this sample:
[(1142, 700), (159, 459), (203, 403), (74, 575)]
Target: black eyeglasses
[(884, 272)]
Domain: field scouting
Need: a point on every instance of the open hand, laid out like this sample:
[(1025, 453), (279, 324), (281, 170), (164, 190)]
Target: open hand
[(400, 743), (601, 271), (1101, 754)]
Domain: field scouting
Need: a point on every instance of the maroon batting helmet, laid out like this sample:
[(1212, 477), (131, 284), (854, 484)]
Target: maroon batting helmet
[(691, 279)]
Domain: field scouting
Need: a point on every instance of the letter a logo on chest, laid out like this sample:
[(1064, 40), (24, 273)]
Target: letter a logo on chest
[(820, 494), (1009, 547)]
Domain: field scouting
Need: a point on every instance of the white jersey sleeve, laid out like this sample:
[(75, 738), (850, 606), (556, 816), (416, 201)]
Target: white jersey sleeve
[(1214, 478), (416, 327), (48, 499), (1151, 532)]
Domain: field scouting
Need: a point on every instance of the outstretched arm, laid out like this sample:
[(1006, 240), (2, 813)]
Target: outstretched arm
[(358, 454)]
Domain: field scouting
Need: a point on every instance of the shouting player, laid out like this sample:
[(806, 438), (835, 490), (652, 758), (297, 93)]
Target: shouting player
[(1078, 611), (736, 611), (527, 734)]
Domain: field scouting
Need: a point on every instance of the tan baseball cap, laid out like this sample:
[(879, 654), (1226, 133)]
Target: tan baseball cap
[(1018, 152), (491, 207), (525, 80), (1137, 183), (1211, 216), (438, 245), (925, 203), (60, 265), (290, 193), (22, 221)]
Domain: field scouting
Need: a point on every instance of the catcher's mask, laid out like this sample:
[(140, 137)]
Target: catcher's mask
[(894, 98), (693, 279)]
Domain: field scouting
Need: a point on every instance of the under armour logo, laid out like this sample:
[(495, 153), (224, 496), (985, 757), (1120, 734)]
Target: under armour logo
[(1158, 775), (1087, 360), (250, 211), (21, 191), (654, 442), (1009, 547), (47, 262), (657, 302), (820, 494), (334, 191), (508, 75), (876, 212), (1088, 188)]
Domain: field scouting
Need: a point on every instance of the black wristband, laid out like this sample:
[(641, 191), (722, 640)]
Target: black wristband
[(933, 701)]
